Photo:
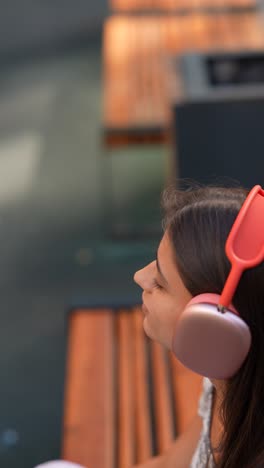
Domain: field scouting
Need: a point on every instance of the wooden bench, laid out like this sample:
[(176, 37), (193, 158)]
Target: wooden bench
[(179, 5), (137, 76), (126, 399)]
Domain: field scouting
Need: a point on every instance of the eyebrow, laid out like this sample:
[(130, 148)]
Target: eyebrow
[(159, 270)]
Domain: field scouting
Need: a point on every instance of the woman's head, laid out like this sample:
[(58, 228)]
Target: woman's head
[(192, 254)]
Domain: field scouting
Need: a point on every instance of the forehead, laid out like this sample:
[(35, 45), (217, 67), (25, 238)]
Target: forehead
[(166, 257), (165, 253)]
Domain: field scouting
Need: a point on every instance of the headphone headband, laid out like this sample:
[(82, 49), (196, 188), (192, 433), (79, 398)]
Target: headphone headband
[(245, 242)]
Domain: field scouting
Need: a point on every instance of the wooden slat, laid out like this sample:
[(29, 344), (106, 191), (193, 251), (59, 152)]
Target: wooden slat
[(107, 398), (144, 441), (162, 397), (187, 388), (126, 401), (137, 78), (89, 415), (175, 5)]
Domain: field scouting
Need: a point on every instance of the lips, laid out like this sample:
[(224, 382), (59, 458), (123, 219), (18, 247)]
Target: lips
[(144, 309)]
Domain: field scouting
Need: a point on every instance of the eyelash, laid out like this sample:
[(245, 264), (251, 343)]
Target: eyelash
[(156, 284)]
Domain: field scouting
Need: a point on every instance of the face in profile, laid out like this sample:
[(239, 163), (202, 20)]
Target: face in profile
[(164, 295)]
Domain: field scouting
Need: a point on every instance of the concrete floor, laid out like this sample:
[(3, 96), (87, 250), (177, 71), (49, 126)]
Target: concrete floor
[(62, 196)]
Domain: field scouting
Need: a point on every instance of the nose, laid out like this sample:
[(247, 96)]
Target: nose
[(144, 278)]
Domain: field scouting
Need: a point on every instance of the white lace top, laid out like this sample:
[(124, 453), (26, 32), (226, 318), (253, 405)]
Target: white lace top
[(203, 457)]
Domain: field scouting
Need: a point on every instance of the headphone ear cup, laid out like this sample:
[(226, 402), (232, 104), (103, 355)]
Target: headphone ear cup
[(209, 342)]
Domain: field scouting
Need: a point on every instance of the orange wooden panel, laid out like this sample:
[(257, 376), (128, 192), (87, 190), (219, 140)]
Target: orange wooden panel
[(125, 383), (89, 416), (137, 77), (143, 419), (162, 397), (187, 388)]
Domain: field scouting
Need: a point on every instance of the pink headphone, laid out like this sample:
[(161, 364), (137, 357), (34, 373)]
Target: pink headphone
[(211, 338)]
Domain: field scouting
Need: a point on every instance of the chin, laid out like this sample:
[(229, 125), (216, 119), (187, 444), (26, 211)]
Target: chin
[(147, 329)]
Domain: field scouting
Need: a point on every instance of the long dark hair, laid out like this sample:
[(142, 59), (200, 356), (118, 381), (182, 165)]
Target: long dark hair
[(198, 221)]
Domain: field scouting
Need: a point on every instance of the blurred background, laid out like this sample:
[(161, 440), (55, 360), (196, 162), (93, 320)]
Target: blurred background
[(102, 105)]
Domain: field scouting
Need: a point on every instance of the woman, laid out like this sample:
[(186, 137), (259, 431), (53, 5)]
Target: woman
[(228, 431)]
